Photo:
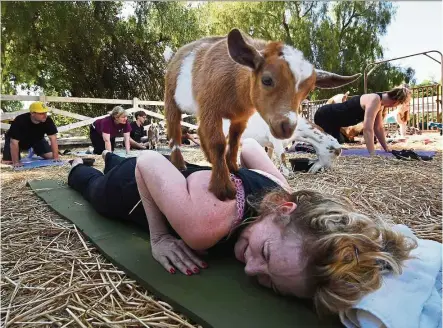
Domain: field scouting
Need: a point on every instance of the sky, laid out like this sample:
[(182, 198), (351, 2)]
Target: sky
[(416, 27)]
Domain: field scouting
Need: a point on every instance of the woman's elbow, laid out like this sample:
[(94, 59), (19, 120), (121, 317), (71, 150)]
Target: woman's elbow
[(199, 244)]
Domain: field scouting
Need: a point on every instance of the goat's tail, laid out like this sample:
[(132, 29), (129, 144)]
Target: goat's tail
[(173, 128)]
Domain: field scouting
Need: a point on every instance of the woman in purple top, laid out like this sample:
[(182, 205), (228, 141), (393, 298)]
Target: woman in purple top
[(104, 130)]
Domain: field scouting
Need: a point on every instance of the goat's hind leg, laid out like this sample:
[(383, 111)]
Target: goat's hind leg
[(174, 132)]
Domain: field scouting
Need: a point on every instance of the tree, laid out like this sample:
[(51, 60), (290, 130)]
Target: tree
[(86, 49)]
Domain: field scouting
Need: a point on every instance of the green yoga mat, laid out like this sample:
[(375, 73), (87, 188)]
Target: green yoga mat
[(221, 296)]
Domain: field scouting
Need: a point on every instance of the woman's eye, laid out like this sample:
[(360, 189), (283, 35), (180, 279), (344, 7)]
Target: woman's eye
[(267, 80)]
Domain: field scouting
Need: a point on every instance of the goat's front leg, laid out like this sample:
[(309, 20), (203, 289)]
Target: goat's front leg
[(326, 147), (235, 131), (270, 152), (211, 135), (281, 158)]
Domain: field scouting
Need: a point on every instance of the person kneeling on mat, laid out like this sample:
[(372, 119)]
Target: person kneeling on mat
[(139, 138), (28, 130), (104, 130), (367, 108), (304, 243)]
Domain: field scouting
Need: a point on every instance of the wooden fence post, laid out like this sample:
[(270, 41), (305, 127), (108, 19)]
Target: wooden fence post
[(42, 98), (135, 103)]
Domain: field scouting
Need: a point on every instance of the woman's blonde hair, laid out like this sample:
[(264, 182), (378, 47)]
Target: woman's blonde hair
[(118, 111), (400, 94), (347, 252)]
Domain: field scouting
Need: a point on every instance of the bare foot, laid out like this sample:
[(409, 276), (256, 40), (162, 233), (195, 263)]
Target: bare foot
[(104, 153), (76, 161)]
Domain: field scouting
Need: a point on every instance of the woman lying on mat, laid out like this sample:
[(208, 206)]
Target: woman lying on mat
[(299, 243)]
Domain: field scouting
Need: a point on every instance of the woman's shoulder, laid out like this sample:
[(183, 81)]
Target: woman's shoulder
[(103, 120), (370, 97)]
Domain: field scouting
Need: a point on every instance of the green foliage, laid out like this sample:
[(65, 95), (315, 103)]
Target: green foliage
[(87, 49)]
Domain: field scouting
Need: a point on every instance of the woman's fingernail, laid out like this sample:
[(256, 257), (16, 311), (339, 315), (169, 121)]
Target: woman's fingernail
[(196, 270), (172, 270), (204, 265), (188, 272)]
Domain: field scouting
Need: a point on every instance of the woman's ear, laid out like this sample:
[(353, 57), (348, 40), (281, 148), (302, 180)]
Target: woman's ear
[(288, 207)]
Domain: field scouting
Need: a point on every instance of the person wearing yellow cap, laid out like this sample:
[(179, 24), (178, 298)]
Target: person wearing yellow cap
[(28, 131)]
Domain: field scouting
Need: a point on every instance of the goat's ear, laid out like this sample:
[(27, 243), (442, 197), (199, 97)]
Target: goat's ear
[(241, 52), (328, 80)]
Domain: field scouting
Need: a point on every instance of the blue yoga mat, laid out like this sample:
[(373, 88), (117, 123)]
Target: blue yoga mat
[(36, 161), (364, 152)]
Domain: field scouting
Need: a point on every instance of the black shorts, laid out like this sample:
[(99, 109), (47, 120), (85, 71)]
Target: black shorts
[(40, 147)]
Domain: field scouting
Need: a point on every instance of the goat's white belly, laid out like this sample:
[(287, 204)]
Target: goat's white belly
[(183, 92), (262, 139)]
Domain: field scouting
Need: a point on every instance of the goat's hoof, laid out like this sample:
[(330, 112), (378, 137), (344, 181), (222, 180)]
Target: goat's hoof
[(285, 171), (224, 192), (177, 160), (317, 167)]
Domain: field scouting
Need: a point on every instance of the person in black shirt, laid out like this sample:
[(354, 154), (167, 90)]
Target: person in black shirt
[(367, 108), (139, 137), (28, 130)]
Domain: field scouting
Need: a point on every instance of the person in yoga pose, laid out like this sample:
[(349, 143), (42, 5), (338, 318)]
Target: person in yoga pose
[(104, 130), (28, 131), (367, 108), (300, 243), (138, 133)]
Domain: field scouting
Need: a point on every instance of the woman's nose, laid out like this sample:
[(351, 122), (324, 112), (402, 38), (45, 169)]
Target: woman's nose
[(254, 267)]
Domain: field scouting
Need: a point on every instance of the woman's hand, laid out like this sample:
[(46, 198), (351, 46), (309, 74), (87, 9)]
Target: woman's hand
[(174, 253)]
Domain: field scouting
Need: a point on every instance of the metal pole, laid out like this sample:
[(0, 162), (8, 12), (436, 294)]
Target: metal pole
[(365, 86)]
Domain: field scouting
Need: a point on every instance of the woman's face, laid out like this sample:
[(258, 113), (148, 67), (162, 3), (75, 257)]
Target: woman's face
[(122, 119), (390, 103), (275, 260)]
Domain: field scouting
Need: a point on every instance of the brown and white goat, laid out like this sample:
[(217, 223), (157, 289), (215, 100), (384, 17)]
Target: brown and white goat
[(153, 136), (232, 77)]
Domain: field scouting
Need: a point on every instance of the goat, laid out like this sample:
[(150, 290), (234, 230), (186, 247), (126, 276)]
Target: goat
[(305, 131), (339, 98), (232, 77), (153, 136)]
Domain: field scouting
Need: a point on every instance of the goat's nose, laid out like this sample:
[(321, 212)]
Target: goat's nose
[(286, 128)]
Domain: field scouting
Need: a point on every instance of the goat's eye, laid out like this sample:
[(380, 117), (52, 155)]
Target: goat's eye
[(267, 80)]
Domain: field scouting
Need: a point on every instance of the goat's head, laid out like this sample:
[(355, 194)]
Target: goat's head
[(281, 78)]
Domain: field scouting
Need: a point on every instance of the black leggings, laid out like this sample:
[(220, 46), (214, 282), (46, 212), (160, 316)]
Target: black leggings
[(329, 126), (97, 141), (114, 192)]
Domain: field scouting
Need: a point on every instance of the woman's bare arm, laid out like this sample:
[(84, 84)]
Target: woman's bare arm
[(254, 157), (107, 140), (371, 103), (199, 218), (380, 131), (126, 138)]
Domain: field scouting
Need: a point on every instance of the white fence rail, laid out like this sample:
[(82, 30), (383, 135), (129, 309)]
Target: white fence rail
[(83, 120)]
